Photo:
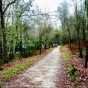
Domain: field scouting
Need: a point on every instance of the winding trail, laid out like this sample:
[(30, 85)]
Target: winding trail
[(41, 75)]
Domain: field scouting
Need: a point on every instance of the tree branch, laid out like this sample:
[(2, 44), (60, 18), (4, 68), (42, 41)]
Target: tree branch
[(10, 3)]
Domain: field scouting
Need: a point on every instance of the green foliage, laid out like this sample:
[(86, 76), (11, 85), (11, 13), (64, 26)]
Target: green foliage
[(56, 36), (23, 38), (14, 70), (69, 69), (36, 43), (30, 47), (17, 56), (73, 76), (65, 56), (9, 72)]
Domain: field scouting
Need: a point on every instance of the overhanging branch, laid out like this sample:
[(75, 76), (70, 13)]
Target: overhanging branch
[(10, 3)]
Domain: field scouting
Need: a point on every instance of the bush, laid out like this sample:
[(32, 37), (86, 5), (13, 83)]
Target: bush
[(27, 48), (17, 56), (36, 43), (30, 48)]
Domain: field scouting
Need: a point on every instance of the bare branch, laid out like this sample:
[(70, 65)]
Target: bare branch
[(10, 3)]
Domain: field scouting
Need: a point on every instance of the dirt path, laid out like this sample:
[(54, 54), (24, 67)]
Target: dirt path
[(41, 75)]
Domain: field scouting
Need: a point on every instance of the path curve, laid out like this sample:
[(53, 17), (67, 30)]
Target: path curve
[(41, 75)]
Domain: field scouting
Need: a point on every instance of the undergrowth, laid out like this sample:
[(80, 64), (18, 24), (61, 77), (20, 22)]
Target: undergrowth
[(14, 70), (72, 71), (70, 68), (65, 56)]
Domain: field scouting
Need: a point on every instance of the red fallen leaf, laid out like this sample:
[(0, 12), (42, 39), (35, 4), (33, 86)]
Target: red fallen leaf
[(82, 73)]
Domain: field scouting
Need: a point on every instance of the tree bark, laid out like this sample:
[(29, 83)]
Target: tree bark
[(83, 28), (70, 39), (86, 60), (79, 45), (40, 41), (4, 47)]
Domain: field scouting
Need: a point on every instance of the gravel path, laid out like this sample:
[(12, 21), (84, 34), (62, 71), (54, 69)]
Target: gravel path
[(41, 75)]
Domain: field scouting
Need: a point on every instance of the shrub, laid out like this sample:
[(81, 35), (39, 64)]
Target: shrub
[(65, 55), (17, 56), (29, 49), (72, 71), (15, 70), (69, 69), (74, 78)]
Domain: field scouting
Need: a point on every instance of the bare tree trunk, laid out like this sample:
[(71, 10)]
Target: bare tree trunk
[(86, 43), (83, 28), (70, 39), (79, 45), (40, 45), (4, 48), (45, 46), (86, 60)]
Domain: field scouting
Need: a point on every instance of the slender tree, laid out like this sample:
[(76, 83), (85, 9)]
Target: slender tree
[(2, 16), (78, 27)]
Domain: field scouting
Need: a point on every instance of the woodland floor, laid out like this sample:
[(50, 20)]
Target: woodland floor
[(52, 72), (43, 74), (81, 72)]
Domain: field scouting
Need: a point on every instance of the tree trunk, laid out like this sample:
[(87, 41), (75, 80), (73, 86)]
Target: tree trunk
[(79, 45), (21, 47), (70, 39), (86, 60), (40, 45), (4, 47), (83, 28), (86, 43), (45, 46)]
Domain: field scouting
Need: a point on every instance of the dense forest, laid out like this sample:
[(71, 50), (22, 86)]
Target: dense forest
[(24, 30), (44, 49), (74, 26)]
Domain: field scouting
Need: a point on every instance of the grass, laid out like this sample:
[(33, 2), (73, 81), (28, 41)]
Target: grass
[(66, 56), (70, 70), (15, 70), (12, 71), (63, 47), (69, 67)]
